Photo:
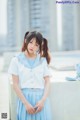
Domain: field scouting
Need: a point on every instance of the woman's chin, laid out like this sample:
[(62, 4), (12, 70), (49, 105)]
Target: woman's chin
[(31, 52)]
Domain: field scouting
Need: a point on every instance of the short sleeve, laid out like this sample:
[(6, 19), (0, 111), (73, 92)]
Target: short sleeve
[(13, 67), (46, 69)]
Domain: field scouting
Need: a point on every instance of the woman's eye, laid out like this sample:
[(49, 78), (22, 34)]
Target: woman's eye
[(30, 42)]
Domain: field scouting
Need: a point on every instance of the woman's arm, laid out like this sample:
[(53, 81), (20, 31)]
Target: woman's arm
[(19, 93), (47, 87), (40, 103)]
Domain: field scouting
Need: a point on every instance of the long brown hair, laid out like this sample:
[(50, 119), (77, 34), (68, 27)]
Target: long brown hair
[(24, 42), (45, 51)]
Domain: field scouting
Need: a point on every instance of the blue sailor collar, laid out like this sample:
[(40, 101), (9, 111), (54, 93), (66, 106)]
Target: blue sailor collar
[(25, 61)]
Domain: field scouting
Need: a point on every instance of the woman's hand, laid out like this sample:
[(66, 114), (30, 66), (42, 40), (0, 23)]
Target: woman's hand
[(38, 107), (30, 109)]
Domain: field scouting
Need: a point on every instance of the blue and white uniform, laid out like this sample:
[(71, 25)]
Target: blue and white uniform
[(31, 73)]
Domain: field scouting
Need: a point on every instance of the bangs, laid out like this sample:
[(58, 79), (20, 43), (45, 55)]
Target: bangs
[(38, 41), (37, 37)]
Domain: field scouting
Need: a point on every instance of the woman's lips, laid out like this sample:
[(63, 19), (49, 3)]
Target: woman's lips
[(31, 49)]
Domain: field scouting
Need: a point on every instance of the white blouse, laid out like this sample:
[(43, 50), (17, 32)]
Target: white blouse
[(29, 77)]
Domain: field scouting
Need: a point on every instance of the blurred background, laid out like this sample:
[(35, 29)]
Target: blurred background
[(60, 24)]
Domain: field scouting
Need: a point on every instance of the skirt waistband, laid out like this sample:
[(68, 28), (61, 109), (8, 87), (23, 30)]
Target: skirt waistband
[(32, 89)]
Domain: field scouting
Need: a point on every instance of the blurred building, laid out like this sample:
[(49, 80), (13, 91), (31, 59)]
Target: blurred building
[(59, 23), (31, 15), (11, 24), (3, 25)]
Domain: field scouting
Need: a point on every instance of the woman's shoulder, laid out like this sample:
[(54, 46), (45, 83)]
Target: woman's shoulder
[(14, 60), (15, 57), (18, 55)]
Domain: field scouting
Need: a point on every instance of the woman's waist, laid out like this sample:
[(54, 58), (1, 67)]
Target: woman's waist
[(32, 90)]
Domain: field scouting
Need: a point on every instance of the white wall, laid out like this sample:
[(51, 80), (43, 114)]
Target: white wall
[(65, 100)]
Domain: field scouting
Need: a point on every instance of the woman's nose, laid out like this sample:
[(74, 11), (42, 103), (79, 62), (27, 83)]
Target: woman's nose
[(32, 45)]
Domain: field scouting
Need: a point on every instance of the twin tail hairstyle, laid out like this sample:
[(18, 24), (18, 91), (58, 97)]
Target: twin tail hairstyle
[(40, 40)]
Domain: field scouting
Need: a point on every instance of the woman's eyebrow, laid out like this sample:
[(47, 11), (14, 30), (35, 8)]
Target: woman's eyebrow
[(37, 43)]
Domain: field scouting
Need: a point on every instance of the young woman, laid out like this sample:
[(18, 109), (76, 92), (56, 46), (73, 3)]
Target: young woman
[(31, 78)]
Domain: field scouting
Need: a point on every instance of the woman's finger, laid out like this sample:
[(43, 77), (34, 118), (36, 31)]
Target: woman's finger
[(38, 109), (31, 111)]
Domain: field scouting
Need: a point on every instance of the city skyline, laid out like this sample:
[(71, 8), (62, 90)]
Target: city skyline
[(58, 23)]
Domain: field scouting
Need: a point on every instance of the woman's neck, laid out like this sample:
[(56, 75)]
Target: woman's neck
[(30, 55)]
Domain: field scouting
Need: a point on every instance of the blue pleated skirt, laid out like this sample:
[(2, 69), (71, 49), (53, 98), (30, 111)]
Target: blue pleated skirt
[(33, 96)]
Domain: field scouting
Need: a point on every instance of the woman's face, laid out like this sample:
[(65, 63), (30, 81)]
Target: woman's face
[(33, 47)]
